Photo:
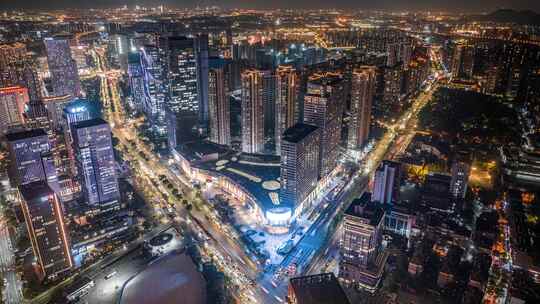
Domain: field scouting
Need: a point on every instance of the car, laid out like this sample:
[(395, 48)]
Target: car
[(110, 275)]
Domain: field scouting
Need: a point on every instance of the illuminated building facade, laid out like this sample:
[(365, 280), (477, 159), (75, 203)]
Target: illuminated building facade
[(95, 159), (31, 158), (252, 111), (12, 104), (362, 256), (155, 89), (386, 182), (286, 103), (460, 178), (218, 103), (63, 69), (362, 91), (323, 107), (299, 164), (46, 230)]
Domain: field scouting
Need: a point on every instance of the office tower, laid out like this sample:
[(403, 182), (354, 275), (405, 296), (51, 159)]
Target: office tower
[(63, 69), (78, 110), (32, 82), (95, 159), (12, 103), (323, 107), (155, 88), (269, 104), (218, 103), (362, 256), (299, 164), (392, 50), (286, 105), (31, 159), (46, 230), (386, 182), (180, 67), (118, 50), (136, 81), (460, 178), (392, 78), (362, 91), (201, 55), (405, 54), (316, 289), (55, 106), (252, 111), (12, 57), (462, 61)]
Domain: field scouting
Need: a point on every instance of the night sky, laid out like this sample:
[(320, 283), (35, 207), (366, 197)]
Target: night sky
[(450, 5)]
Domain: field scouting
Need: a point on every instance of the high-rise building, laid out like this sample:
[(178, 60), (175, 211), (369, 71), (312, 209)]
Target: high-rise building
[(405, 54), (218, 103), (323, 288), (180, 65), (55, 106), (299, 164), (63, 69), (362, 91), (136, 81), (392, 77), (460, 178), (362, 256), (46, 229), (155, 89), (31, 158), (462, 61), (95, 159), (386, 182), (392, 51), (252, 111), (286, 104), (12, 56), (12, 104), (201, 55), (323, 107)]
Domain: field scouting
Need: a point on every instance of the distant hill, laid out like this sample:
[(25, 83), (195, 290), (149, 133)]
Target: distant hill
[(510, 16)]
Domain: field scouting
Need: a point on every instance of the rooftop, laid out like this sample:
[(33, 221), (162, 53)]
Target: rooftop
[(257, 174), (89, 123), (364, 208), (318, 289), (298, 132), (34, 190), (25, 134)]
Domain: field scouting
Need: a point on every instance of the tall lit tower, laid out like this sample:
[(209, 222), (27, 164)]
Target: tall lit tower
[(95, 159), (46, 229), (218, 103), (323, 107), (286, 110), (362, 91), (252, 111), (13, 101), (64, 74)]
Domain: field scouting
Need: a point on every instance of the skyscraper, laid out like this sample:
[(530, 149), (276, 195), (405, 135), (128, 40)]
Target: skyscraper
[(218, 103), (201, 55), (323, 107), (252, 111), (362, 256), (31, 158), (391, 98), (95, 160), (136, 81), (63, 69), (12, 103), (46, 230), (462, 61), (386, 182), (286, 105), (299, 164), (362, 91), (178, 55), (12, 56), (155, 89), (460, 178)]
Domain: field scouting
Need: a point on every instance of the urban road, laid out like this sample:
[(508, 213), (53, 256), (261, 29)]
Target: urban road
[(315, 241)]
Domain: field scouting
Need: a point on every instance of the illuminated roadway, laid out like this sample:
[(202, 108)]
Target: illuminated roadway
[(231, 257), (12, 290)]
